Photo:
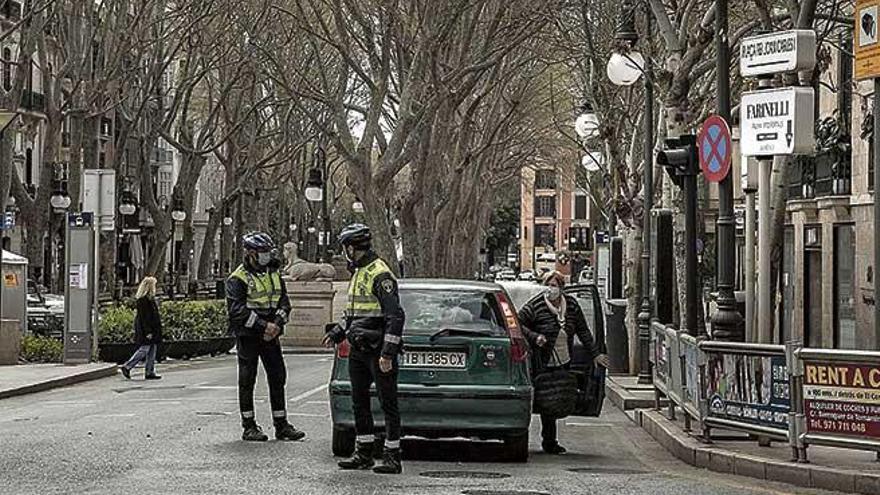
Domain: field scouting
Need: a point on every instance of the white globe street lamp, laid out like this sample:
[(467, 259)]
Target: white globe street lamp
[(227, 221), (178, 215), (625, 70), (587, 124), (592, 161), (358, 205), (60, 201)]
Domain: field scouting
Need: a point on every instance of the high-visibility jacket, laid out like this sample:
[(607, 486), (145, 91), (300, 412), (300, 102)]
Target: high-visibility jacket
[(255, 297), (264, 289), (374, 317)]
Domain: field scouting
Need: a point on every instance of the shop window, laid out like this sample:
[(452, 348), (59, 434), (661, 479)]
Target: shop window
[(813, 285), (545, 235), (787, 283), (844, 287), (580, 207)]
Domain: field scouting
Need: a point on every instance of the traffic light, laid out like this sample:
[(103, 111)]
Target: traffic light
[(680, 158)]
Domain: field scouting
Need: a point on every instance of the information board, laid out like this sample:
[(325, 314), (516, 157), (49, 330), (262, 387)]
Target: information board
[(748, 389), (842, 399)]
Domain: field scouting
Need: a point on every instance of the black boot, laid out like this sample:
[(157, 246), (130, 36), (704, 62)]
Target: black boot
[(390, 463), (252, 432), (553, 448), (362, 459), (286, 431), (378, 448)]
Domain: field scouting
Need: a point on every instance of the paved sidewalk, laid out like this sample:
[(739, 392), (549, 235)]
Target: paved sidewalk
[(30, 378), (829, 468)]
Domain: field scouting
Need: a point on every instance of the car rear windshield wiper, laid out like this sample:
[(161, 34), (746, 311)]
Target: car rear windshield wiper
[(461, 331)]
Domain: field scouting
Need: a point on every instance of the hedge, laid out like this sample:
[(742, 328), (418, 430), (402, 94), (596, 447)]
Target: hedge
[(181, 320), (40, 349)]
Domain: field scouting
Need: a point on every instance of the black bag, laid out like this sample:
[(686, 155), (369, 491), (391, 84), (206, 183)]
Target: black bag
[(556, 392)]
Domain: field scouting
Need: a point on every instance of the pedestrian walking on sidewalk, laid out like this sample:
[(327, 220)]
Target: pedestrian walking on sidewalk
[(374, 327), (258, 308), (550, 321), (147, 330)]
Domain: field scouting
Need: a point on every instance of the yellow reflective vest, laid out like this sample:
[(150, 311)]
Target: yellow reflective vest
[(362, 303), (264, 289)]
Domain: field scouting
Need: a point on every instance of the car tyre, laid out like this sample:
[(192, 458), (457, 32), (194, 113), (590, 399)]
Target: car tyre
[(343, 441), (518, 447)]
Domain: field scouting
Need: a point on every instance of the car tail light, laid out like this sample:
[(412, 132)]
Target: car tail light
[(343, 349), (519, 351)]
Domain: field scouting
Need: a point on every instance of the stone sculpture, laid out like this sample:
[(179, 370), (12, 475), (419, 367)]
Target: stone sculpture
[(298, 269)]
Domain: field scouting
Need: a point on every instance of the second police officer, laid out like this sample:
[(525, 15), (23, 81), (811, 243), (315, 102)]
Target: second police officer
[(373, 326), (258, 308)]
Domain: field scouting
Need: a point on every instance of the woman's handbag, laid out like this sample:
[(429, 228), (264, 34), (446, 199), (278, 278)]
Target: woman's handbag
[(555, 392)]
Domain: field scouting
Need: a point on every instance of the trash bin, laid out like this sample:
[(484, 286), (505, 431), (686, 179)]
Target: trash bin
[(616, 337)]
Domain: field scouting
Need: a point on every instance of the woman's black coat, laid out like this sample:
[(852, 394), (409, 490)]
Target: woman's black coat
[(147, 322), (537, 319)]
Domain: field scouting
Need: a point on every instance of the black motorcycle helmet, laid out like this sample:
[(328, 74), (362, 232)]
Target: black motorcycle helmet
[(258, 241), (357, 235)]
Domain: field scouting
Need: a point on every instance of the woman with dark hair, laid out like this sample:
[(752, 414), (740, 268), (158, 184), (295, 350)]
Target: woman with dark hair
[(550, 322)]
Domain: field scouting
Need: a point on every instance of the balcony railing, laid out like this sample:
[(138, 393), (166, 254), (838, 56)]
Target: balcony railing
[(829, 172), (33, 101)]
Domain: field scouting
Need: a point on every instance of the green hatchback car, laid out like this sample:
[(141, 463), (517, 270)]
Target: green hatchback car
[(464, 371)]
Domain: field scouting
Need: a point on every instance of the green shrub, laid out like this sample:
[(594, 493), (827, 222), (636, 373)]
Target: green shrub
[(181, 320), (39, 349)]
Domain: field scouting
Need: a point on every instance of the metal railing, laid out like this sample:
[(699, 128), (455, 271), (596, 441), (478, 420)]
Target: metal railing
[(785, 392)]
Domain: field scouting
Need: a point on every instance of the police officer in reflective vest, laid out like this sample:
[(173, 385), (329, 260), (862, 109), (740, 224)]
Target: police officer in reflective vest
[(258, 307), (373, 326)]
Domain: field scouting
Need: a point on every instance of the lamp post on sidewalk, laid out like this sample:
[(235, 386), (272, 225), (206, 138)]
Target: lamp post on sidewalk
[(624, 68), (726, 322)]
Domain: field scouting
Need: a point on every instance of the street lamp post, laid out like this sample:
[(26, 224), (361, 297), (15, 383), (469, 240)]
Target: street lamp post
[(726, 322), (316, 192), (177, 215), (624, 68)]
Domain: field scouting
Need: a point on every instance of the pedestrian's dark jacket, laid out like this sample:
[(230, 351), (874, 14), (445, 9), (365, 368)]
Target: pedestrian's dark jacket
[(147, 322), (238, 312), (537, 319), (381, 334)]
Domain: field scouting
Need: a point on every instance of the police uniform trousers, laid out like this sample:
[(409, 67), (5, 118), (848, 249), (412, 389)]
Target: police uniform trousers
[(363, 369), (252, 350)]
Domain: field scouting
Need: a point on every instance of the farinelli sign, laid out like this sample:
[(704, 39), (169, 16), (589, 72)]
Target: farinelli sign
[(785, 51), (842, 398), (777, 122)]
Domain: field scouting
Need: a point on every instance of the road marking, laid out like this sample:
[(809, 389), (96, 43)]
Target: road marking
[(592, 425), (129, 415), (68, 403), (215, 387), (322, 402), (310, 393), (306, 415)]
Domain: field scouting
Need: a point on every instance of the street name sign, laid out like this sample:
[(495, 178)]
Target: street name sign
[(867, 49), (773, 53), (777, 122), (715, 148)]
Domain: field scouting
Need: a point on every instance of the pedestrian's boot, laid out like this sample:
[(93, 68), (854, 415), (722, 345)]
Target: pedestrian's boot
[(252, 432), (286, 431), (362, 458), (390, 462)]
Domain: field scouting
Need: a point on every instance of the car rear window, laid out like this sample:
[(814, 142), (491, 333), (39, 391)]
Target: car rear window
[(431, 310)]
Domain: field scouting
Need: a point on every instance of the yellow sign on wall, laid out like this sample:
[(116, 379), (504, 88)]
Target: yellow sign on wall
[(11, 280), (867, 48)]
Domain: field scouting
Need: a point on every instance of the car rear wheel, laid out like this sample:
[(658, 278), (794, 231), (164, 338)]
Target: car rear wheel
[(343, 441), (518, 446)]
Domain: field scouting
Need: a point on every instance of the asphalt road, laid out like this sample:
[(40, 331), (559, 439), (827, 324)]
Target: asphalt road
[(181, 436)]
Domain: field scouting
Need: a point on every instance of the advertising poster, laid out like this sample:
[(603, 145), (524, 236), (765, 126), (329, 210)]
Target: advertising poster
[(748, 389), (692, 372), (661, 361), (842, 399)]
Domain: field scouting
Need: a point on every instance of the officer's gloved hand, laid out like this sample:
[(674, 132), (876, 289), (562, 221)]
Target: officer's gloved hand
[(334, 335)]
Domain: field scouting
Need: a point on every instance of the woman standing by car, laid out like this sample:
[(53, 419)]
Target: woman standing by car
[(147, 330), (550, 321)]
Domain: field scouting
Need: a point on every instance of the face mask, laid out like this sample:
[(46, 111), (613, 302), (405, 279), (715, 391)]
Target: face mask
[(263, 259), (553, 293), (348, 255)]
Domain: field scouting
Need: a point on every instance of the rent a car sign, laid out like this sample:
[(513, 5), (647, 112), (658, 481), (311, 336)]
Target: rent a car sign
[(842, 398)]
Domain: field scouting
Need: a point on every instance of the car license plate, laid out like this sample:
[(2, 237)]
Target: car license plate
[(438, 359)]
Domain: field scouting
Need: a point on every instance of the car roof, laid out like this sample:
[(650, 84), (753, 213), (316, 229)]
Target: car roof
[(448, 284)]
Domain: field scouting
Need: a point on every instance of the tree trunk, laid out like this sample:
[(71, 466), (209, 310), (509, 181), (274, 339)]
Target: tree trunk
[(206, 258)]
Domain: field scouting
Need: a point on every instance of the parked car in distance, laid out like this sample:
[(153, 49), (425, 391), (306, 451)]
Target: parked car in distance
[(464, 371), (45, 312), (527, 276), (506, 274)]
